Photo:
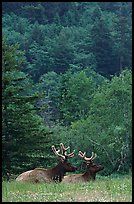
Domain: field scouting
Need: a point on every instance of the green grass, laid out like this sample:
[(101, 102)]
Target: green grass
[(104, 189)]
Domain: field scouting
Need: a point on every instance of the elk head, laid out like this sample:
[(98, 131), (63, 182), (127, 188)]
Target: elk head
[(91, 168), (65, 166)]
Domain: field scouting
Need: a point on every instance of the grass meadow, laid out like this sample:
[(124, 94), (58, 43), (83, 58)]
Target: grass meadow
[(104, 189)]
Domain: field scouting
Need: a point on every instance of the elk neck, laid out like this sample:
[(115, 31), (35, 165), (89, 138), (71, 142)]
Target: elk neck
[(57, 172)]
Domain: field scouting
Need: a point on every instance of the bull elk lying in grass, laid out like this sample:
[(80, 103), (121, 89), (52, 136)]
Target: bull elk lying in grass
[(91, 170), (50, 175)]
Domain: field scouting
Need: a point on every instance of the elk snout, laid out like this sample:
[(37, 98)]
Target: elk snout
[(100, 168)]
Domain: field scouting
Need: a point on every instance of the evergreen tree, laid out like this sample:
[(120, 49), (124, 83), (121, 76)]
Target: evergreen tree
[(62, 53), (24, 136), (122, 36), (101, 45)]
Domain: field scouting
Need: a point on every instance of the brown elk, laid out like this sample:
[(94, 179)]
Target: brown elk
[(52, 174), (91, 170)]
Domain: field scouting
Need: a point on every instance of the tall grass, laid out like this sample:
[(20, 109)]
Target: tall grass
[(104, 189)]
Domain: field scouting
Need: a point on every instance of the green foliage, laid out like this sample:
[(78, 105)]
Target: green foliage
[(101, 45), (21, 126), (51, 84), (76, 96), (122, 36), (63, 53), (86, 34), (40, 61), (107, 129)]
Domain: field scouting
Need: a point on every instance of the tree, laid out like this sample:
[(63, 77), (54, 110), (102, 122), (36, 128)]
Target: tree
[(40, 61), (62, 53), (21, 126), (36, 14), (101, 45), (50, 83), (76, 94), (122, 36), (107, 130)]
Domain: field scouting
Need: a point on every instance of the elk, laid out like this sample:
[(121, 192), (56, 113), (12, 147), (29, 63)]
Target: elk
[(91, 170), (54, 174)]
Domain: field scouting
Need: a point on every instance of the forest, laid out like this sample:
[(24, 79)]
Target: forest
[(66, 77)]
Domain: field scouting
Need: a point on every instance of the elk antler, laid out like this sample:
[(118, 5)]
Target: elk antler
[(57, 152), (82, 155), (63, 148), (64, 151)]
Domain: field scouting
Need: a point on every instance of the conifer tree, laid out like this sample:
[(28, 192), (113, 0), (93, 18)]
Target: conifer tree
[(101, 44), (122, 36), (24, 136)]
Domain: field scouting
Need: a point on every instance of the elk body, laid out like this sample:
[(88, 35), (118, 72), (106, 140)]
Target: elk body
[(91, 170), (54, 174)]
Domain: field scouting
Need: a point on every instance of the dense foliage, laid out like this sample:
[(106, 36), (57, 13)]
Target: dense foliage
[(24, 135), (66, 70), (56, 35)]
